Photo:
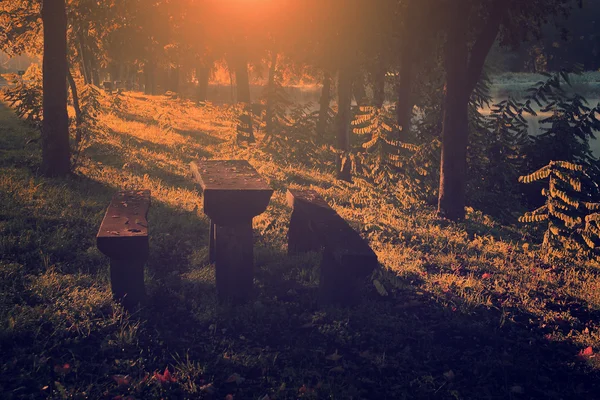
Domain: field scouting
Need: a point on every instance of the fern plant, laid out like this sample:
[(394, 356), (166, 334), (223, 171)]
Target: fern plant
[(570, 211), (383, 155), (87, 124)]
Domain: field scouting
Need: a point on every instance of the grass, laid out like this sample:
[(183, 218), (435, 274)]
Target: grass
[(456, 311)]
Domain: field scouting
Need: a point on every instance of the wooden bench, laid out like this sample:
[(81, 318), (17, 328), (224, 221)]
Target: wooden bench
[(234, 193), (123, 236), (347, 259)]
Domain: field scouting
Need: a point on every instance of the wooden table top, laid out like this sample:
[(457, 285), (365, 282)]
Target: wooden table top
[(228, 175)]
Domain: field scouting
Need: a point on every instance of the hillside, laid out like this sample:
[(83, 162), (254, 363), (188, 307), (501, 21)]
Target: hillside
[(456, 311)]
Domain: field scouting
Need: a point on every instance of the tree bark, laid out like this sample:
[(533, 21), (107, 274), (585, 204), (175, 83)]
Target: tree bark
[(84, 58), (360, 93), (56, 159), (242, 80), (453, 171), (404, 104), (462, 73), (243, 90), (202, 73), (378, 81), (74, 94), (271, 94), (324, 105), (343, 123)]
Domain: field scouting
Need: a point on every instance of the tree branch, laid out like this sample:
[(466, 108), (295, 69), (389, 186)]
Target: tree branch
[(484, 42)]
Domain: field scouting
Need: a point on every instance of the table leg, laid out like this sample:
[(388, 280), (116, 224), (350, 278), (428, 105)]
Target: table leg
[(127, 281), (234, 263), (211, 242)]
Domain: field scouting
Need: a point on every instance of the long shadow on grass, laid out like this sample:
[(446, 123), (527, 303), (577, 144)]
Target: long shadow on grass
[(200, 137), (405, 345)]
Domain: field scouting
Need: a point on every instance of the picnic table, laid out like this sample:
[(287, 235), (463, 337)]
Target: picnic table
[(234, 193)]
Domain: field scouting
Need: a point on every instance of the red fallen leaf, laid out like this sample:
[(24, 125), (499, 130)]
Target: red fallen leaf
[(453, 309), (486, 276), (122, 380), (65, 369), (165, 377), (229, 397), (587, 352)]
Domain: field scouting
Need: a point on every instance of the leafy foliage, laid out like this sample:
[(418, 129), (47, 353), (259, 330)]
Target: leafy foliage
[(26, 96), (571, 209)]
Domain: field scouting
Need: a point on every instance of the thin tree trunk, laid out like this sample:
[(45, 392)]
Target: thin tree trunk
[(202, 73), (75, 95), (453, 171), (360, 93), (324, 105), (343, 123), (84, 58), (55, 127), (378, 79), (243, 90), (404, 104), (271, 94)]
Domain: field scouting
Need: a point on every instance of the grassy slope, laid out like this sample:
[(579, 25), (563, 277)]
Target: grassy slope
[(471, 311)]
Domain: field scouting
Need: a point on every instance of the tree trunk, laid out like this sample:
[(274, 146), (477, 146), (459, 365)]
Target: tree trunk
[(243, 90), (84, 58), (324, 105), (360, 93), (462, 73), (55, 127), (95, 72), (242, 81), (174, 80), (404, 104), (271, 94), (378, 80), (149, 78), (343, 123), (453, 172), (202, 73), (78, 117)]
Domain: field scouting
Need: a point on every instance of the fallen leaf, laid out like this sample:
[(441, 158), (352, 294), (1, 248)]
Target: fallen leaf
[(229, 397), (165, 377), (587, 352), (486, 276), (122, 380), (65, 369)]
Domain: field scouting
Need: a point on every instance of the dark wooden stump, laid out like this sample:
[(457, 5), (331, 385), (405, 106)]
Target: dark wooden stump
[(347, 259), (234, 193), (123, 236)]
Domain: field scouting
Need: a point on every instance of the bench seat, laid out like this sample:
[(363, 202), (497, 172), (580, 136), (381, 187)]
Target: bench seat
[(347, 259), (123, 236)]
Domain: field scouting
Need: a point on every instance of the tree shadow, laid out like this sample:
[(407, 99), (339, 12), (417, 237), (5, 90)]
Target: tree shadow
[(200, 137)]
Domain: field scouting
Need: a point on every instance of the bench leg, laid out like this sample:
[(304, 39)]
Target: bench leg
[(234, 265), (337, 284), (211, 243), (127, 281), (300, 237)]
